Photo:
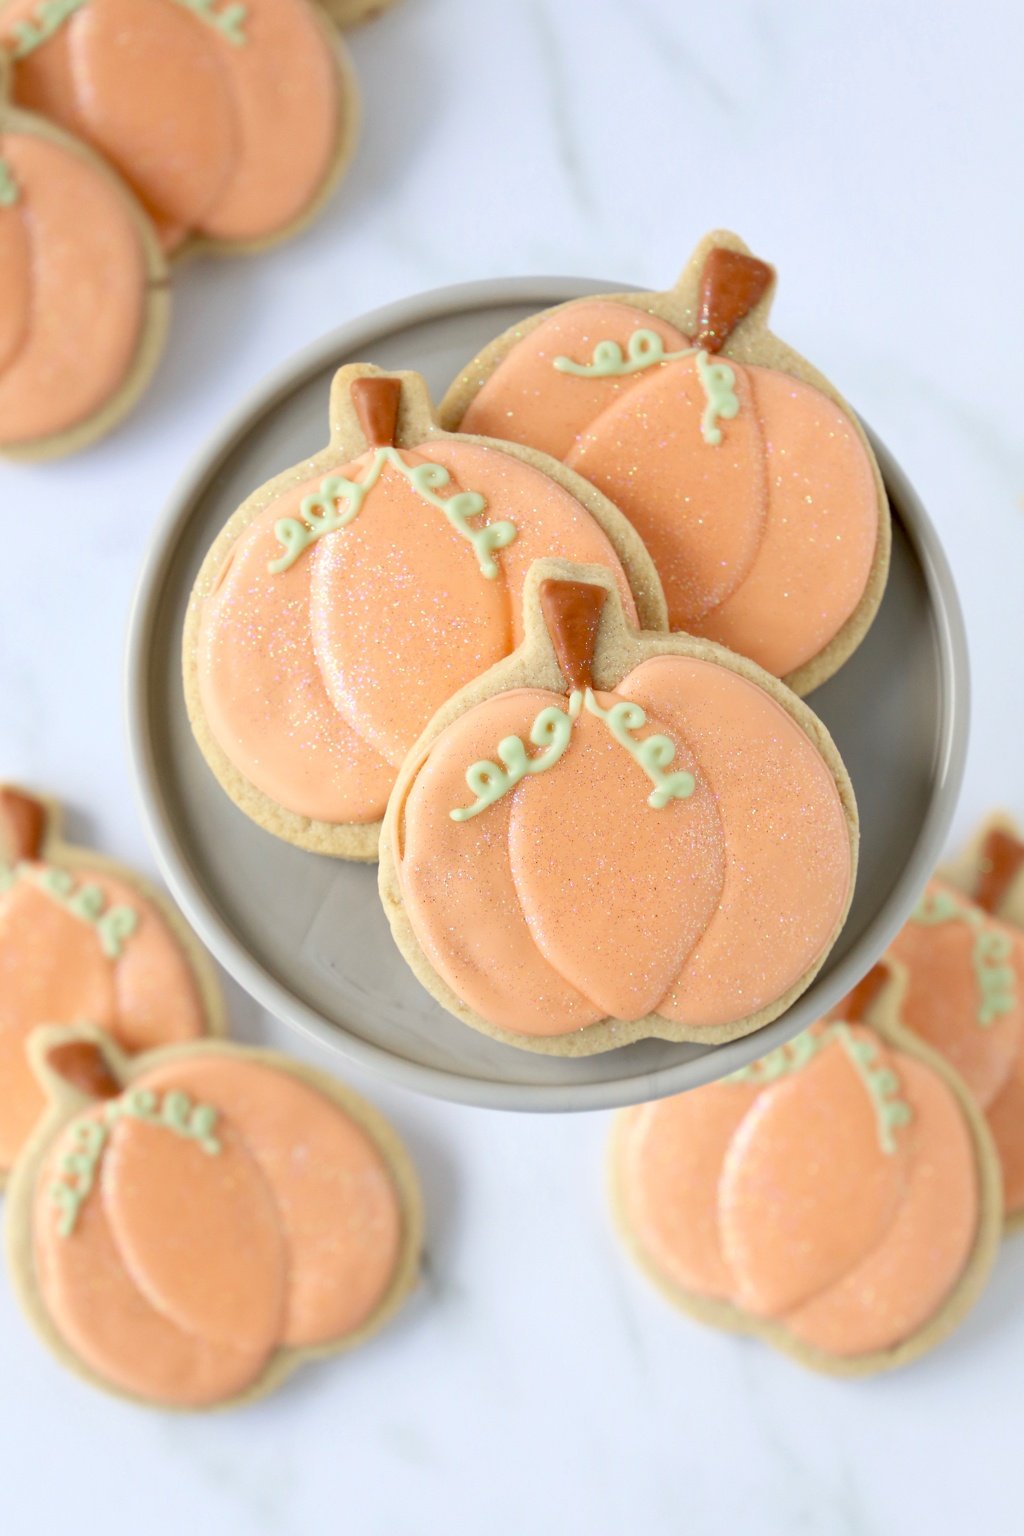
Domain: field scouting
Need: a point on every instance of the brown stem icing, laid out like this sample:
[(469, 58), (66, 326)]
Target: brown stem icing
[(730, 286), (857, 1003), (572, 613), (22, 826), (82, 1064), (376, 401), (1002, 859)]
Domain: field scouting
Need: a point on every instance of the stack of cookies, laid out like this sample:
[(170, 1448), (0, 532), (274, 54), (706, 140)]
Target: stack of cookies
[(543, 651)]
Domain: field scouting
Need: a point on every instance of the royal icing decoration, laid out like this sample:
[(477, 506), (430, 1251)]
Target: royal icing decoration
[(50, 16), (8, 186), (174, 1112), (321, 513), (881, 1083), (997, 981), (645, 349), (228, 20), (552, 730), (113, 925)]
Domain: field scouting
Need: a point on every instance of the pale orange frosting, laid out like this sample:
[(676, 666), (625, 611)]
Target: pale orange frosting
[(232, 142), (764, 542), (73, 276), (186, 1270), (570, 899), (53, 971), (316, 680), (942, 1003), (781, 1197)]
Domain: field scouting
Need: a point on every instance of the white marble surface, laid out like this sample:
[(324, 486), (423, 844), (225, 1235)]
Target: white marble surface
[(536, 1384)]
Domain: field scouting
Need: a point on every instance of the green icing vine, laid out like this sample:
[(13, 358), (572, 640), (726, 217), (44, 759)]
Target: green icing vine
[(175, 1112), (881, 1082), (996, 981), (113, 925), (321, 513), (50, 15), (552, 730), (228, 20), (645, 349), (9, 189)]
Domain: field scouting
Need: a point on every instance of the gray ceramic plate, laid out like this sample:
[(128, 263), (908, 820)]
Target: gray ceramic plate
[(305, 935)]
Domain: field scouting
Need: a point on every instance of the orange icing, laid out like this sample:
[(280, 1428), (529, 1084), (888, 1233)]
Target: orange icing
[(570, 899), (779, 1198), (73, 276), (764, 542), (941, 1003), (231, 142), (186, 1270), (316, 680), (53, 971)]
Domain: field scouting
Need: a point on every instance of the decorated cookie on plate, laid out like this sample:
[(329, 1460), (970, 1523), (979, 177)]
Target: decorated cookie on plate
[(85, 303), (84, 938), (189, 1225), (839, 1199), (614, 835), (230, 121), (749, 479), (961, 989), (349, 597)]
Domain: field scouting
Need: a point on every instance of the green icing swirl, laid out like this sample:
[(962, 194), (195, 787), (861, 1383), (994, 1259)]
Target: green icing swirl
[(645, 349), (321, 513), (50, 15), (228, 20), (9, 189), (881, 1083), (174, 1112), (654, 754), (552, 730), (996, 981), (113, 925)]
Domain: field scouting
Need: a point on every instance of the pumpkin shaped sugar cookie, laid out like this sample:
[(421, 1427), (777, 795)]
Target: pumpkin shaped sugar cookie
[(85, 301), (189, 1225), (615, 835), (230, 121), (349, 597), (838, 1199), (84, 938), (961, 990), (750, 481)]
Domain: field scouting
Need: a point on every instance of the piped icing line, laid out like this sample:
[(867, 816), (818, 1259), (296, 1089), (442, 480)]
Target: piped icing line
[(10, 192), (996, 981), (320, 512), (50, 16), (227, 19), (113, 925), (552, 730), (718, 382), (881, 1083), (174, 1112), (654, 754), (645, 349)]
